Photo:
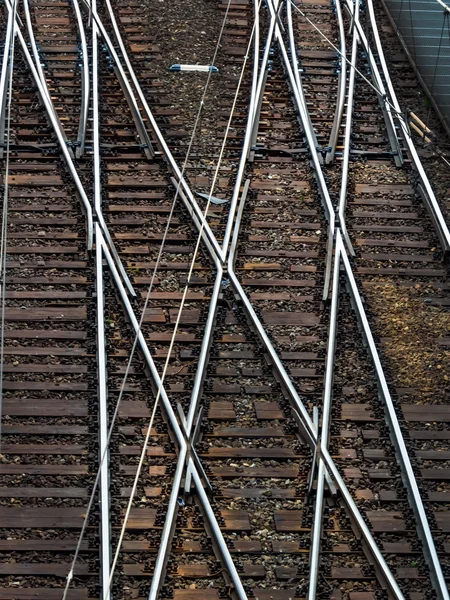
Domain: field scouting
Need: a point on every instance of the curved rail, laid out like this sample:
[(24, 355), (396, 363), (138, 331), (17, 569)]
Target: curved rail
[(194, 412), (138, 119), (427, 191), (347, 136), (187, 423), (386, 107), (40, 70), (3, 77), (304, 116), (396, 434), (183, 432), (329, 158), (68, 156), (193, 207), (250, 132), (301, 105), (307, 428), (123, 81), (168, 529), (179, 431), (296, 70), (395, 429), (55, 124), (84, 110), (96, 156), (444, 235)]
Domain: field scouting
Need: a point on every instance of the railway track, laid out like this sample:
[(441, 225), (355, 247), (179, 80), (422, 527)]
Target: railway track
[(224, 353)]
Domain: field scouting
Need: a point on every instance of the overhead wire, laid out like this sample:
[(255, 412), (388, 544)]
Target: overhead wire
[(4, 229), (392, 108), (322, 34)]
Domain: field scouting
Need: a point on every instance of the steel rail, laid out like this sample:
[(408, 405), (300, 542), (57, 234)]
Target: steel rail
[(84, 110), (444, 6), (179, 433), (68, 155), (396, 432), (261, 80), (100, 240), (301, 105), (304, 116), (310, 435), (40, 70), (168, 529), (308, 430), (112, 247), (150, 153), (104, 495), (168, 154), (55, 124), (3, 123), (169, 525), (113, 420), (239, 589), (316, 162), (326, 457), (386, 107), (142, 133), (187, 423), (207, 340), (325, 430), (329, 158), (96, 120), (248, 136), (10, 50), (104, 489), (428, 193), (256, 53), (347, 136), (10, 32), (298, 79), (340, 249), (98, 210), (124, 84), (256, 120)]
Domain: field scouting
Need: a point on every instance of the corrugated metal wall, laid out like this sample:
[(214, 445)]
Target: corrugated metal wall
[(426, 33)]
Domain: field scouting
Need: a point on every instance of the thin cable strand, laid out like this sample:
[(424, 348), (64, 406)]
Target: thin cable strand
[(377, 91), (172, 341), (147, 299)]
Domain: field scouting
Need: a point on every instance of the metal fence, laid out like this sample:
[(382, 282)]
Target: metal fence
[(424, 26)]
